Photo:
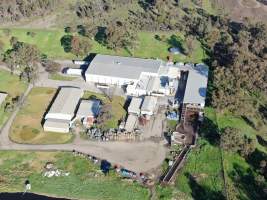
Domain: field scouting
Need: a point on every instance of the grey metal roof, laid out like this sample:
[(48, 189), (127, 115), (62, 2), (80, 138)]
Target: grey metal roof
[(2, 97), (196, 86), (130, 123), (122, 67), (149, 104), (135, 105), (57, 123), (88, 108), (154, 84), (66, 100)]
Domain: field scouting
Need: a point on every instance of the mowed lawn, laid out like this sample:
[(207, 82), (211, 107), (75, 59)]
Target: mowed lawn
[(11, 85), (27, 127), (86, 181), (147, 46), (117, 107)]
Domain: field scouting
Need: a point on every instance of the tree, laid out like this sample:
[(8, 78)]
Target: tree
[(104, 116), (118, 35), (13, 40), (24, 57), (51, 66), (190, 45), (80, 47), (231, 139)]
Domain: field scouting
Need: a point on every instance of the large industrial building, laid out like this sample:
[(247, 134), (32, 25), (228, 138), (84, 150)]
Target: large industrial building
[(116, 70), (62, 110)]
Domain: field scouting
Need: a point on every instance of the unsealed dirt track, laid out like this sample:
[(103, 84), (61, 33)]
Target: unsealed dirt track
[(239, 9)]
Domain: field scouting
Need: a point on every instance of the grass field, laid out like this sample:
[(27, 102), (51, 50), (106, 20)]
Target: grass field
[(60, 77), (117, 107), (85, 181), (239, 173), (27, 127), (14, 87), (48, 41)]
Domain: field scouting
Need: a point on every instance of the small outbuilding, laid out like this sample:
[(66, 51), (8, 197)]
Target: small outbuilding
[(2, 97), (135, 106), (65, 104), (149, 105), (88, 111)]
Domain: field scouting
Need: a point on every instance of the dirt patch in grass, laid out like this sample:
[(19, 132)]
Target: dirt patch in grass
[(239, 9)]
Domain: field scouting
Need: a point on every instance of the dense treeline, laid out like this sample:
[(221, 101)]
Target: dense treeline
[(14, 10)]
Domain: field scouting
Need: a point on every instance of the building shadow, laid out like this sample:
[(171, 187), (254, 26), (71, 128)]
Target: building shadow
[(210, 131)]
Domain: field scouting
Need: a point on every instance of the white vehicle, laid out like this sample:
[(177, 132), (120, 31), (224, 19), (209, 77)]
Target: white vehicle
[(80, 62), (75, 72)]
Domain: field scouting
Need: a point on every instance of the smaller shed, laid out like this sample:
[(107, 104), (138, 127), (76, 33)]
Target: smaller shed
[(149, 105), (135, 105), (88, 111), (57, 125), (2, 97), (131, 123)]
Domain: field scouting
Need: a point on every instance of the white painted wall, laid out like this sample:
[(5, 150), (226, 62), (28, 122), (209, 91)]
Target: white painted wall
[(109, 80), (54, 129), (58, 116)]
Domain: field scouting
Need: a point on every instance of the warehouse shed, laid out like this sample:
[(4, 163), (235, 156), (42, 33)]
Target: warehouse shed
[(196, 86), (135, 106), (88, 108), (149, 105), (116, 70), (65, 104), (88, 111)]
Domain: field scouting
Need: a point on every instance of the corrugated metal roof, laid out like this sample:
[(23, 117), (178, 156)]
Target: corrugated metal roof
[(153, 84), (2, 97), (149, 103), (122, 67), (66, 100), (135, 105), (88, 108), (130, 123), (196, 86)]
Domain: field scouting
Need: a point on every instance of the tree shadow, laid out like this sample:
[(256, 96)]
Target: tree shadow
[(263, 111), (210, 131), (200, 192), (255, 159), (176, 41), (81, 29), (105, 166), (145, 4), (261, 140), (100, 36), (244, 180), (65, 42)]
